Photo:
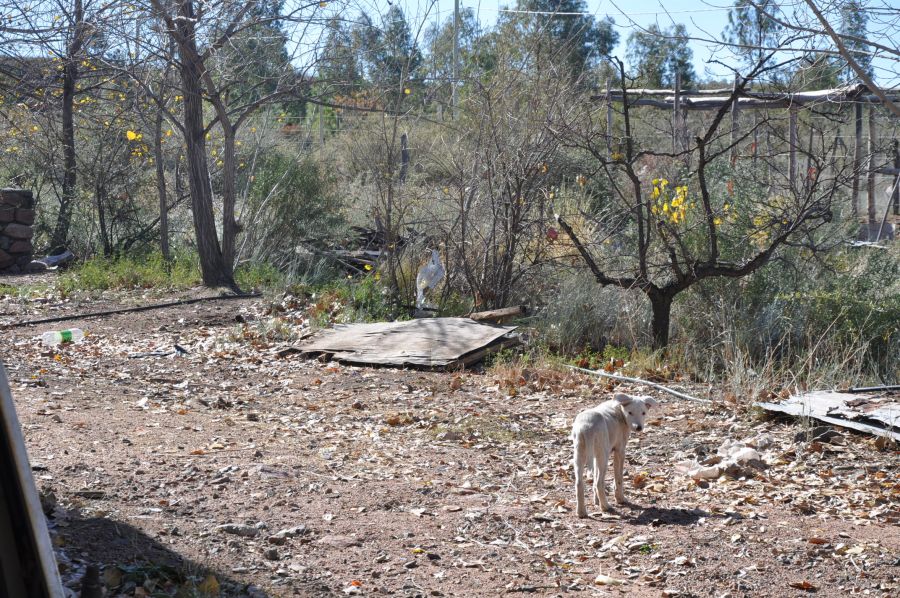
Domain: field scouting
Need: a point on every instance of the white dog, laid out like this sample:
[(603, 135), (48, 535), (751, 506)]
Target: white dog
[(602, 430)]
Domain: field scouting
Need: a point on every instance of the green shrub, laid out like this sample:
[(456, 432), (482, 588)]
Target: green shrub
[(259, 276), (292, 209), (131, 272)]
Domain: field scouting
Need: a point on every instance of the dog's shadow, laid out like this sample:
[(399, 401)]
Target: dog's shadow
[(658, 516)]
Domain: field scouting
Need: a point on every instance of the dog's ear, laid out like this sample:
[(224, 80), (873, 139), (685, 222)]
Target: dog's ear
[(651, 402), (623, 399)]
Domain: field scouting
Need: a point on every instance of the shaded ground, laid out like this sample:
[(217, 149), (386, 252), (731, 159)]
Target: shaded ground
[(409, 483)]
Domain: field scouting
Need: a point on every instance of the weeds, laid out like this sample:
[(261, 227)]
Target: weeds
[(152, 271)]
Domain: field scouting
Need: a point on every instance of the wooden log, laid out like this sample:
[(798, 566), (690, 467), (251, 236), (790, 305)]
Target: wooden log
[(499, 315)]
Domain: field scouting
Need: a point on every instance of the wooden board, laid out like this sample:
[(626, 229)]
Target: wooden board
[(425, 342), (27, 564), (876, 413)]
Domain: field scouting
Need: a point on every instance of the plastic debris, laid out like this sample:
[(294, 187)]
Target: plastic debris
[(428, 277), (51, 338)]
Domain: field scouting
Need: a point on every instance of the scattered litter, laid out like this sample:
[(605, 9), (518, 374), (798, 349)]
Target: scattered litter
[(428, 277), (736, 459), (51, 262), (177, 350), (51, 338)]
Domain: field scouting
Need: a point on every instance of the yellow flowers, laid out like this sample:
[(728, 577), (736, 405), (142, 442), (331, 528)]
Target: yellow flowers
[(407, 91), (133, 135), (617, 156), (667, 206), (168, 132)]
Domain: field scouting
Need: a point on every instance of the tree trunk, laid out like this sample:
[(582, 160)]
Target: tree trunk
[(70, 168), (161, 188), (100, 196), (662, 310), (229, 196), (214, 269)]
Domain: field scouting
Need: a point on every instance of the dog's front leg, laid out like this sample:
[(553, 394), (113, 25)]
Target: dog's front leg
[(618, 468)]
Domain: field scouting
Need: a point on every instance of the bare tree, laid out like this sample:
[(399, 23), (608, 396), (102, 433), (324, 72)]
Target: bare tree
[(233, 57), (671, 228)]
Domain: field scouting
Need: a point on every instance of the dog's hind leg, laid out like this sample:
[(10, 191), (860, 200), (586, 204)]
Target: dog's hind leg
[(601, 459), (579, 460)]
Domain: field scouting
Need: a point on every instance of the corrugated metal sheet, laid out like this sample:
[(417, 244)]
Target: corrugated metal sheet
[(873, 412)]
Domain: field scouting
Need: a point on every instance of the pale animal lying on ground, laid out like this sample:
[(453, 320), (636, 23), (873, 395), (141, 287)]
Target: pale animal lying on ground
[(602, 430)]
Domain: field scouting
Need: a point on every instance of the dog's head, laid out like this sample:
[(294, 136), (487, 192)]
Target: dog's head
[(635, 409)]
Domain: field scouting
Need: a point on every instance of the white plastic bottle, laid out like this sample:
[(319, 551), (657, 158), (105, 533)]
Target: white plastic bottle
[(52, 338)]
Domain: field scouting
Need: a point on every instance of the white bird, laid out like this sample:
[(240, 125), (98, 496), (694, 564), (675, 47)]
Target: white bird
[(429, 275)]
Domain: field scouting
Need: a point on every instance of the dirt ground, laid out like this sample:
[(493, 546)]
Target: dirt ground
[(232, 469)]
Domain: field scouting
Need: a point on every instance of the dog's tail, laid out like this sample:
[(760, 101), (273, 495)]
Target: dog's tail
[(581, 448)]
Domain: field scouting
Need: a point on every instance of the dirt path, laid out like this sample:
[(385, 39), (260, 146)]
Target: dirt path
[(262, 475)]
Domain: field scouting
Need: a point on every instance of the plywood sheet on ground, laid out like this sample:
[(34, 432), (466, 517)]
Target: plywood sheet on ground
[(876, 413), (425, 342)]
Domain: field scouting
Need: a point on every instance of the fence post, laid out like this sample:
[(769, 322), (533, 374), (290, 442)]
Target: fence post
[(895, 196), (870, 179), (792, 169), (735, 113), (857, 154), (609, 118), (676, 114)]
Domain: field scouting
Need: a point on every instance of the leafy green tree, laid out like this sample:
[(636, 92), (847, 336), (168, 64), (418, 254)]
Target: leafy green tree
[(752, 30), (396, 58), (476, 53), (658, 55), (817, 71), (579, 39), (338, 67), (854, 25)]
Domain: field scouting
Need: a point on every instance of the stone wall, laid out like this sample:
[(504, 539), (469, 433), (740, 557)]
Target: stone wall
[(16, 218)]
